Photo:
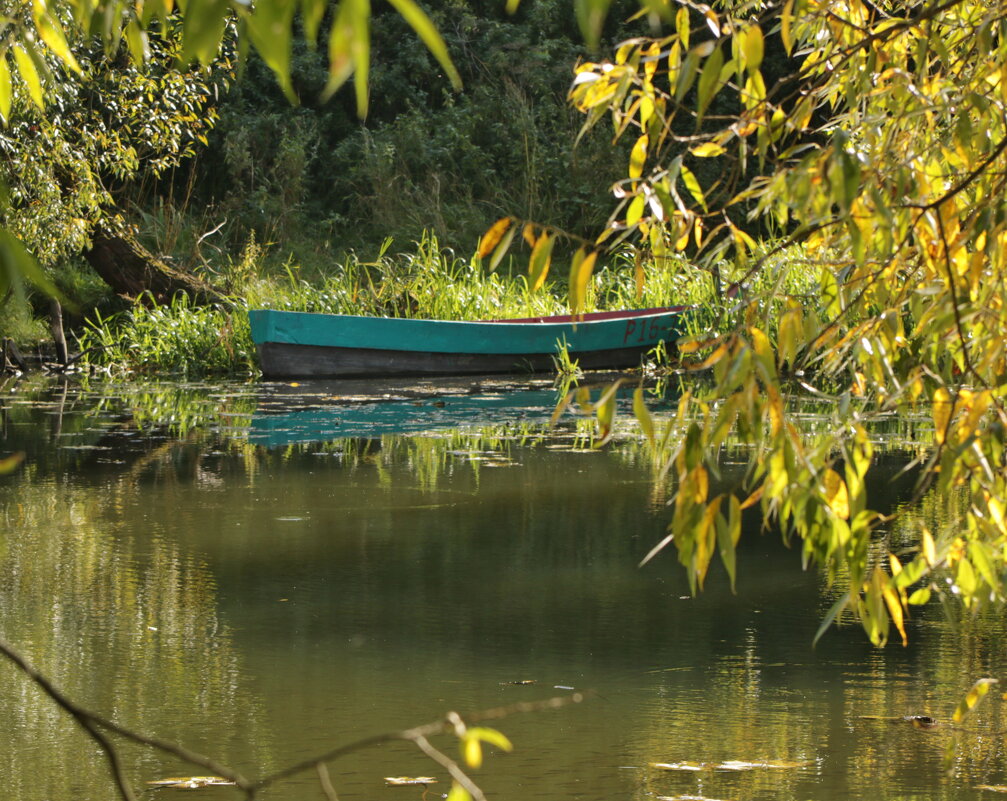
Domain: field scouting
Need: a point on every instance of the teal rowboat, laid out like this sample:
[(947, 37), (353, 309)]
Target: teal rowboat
[(299, 344)]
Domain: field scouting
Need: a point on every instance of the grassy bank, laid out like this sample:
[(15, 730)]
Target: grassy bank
[(424, 282)]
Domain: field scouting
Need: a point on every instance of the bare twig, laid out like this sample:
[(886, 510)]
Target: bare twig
[(96, 727), (93, 723), (323, 779)]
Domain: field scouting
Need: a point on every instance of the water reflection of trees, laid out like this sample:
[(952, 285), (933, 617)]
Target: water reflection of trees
[(83, 583), (123, 621)]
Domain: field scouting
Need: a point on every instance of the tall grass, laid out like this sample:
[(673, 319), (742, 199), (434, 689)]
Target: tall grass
[(427, 282), (180, 339)]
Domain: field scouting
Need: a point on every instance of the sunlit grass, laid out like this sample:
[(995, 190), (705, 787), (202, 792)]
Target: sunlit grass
[(426, 282)]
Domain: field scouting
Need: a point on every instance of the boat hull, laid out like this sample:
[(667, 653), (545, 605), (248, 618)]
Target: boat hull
[(293, 344)]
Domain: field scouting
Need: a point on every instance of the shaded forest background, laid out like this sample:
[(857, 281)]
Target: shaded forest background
[(313, 181)]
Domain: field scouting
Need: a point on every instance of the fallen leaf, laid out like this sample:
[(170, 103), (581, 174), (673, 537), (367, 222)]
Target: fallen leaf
[(192, 782), (405, 781)]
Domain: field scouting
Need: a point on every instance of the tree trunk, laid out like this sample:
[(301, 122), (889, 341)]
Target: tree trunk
[(130, 269)]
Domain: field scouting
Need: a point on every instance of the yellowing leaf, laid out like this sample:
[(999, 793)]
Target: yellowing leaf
[(895, 612), (786, 18), (26, 67), (491, 736), (835, 493), (972, 697), (707, 150), (942, 413), (580, 274), (752, 47), (51, 32), (637, 157), (929, 551), (458, 793), (538, 264), (6, 92), (472, 751), (492, 237), (528, 232), (9, 463)]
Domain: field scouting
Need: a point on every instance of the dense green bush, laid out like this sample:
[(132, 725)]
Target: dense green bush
[(316, 180)]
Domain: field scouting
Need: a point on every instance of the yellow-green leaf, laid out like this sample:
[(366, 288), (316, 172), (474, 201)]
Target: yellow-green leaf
[(835, 493), (472, 750), (136, 41), (26, 67), (637, 157), (942, 413), (580, 274), (492, 736), (426, 30), (203, 30), (6, 93), (9, 463), (692, 185), (591, 18), (972, 697), (682, 25), (920, 596), (269, 29), (51, 32), (709, 81), (458, 793), (538, 264), (752, 47), (635, 211), (643, 416), (350, 50), (502, 248), (929, 550), (786, 19), (707, 150)]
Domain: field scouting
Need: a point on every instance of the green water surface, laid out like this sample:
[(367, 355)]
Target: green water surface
[(175, 569)]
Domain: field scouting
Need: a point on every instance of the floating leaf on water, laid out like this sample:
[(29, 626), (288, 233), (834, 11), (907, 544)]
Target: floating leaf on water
[(192, 782), (407, 781), (685, 798), (770, 764), (730, 764)]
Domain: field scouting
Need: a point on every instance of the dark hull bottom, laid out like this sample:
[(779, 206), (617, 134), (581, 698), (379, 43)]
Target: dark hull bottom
[(279, 360)]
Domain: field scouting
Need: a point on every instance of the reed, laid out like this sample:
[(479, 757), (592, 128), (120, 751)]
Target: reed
[(426, 282)]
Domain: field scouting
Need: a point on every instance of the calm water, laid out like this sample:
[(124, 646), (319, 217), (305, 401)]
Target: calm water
[(188, 562)]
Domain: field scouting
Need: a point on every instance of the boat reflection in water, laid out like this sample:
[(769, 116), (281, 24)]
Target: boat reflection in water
[(319, 411)]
